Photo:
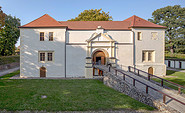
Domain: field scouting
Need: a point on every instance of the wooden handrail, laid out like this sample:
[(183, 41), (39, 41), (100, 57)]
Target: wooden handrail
[(156, 77), (147, 86)]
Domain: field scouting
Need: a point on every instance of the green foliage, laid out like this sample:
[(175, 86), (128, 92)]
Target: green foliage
[(93, 15), (173, 17), (9, 59), (2, 19), (63, 95), (10, 75), (9, 35)]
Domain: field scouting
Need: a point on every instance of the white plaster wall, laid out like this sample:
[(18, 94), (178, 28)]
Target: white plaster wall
[(147, 43), (176, 64), (124, 56), (120, 36), (75, 60), (31, 44)]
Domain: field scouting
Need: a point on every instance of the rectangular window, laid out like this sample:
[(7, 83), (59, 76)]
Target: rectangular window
[(154, 35), (50, 36), (147, 56), (50, 56), (41, 36), (42, 56), (144, 56), (139, 36)]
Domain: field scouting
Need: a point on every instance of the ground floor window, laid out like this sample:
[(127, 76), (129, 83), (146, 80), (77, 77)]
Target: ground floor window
[(148, 56)]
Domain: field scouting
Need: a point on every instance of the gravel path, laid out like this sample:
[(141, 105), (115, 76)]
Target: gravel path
[(9, 71)]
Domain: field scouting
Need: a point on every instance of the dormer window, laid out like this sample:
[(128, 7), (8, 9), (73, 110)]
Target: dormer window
[(139, 35), (41, 36), (50, 36)]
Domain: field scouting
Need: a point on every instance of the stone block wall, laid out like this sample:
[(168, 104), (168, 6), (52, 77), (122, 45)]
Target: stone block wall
[(117, 83), (9, 66)]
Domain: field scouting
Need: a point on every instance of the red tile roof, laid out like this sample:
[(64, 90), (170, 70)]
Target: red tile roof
[(90, 25), (134, 21), (43, 21)]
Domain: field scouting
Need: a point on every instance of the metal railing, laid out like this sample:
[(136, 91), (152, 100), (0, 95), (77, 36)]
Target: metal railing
[(157, 80), (134, 80)]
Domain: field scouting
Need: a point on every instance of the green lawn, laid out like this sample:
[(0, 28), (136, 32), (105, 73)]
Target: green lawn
[(10, 75), (178, 77), (174, 56), (63, 95)]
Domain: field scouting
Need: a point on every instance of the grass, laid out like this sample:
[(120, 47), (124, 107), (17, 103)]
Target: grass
[(9, 59), (63, 95), (174, 56), (177, 77), (7, 76)]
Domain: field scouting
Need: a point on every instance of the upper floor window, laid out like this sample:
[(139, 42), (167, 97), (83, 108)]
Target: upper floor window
[(148, 56), (50, 36), (154, 35), (41, 36), (139, 35), (42, 56)]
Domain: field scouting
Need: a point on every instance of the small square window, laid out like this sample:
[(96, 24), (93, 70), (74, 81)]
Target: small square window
[(50, 36), (139, 35), (154, 35), (41, 36)]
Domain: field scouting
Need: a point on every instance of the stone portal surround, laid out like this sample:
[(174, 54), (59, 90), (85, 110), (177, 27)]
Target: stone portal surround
[(116, 82)]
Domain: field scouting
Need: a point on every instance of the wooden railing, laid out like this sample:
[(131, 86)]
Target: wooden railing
[(134, 80), (148, 76)]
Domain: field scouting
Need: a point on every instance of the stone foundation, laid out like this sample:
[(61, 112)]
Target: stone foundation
[(9, 66), (117, 83)]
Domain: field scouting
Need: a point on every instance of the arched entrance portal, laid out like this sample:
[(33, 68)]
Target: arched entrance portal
[(42, 72), (151, 70), (98, 58)]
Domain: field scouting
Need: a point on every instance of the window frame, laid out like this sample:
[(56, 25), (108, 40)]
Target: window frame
[(46, 56), (40, 57), (148, 53), (156, 36), (139, 36), (50, 36), (42, 36)]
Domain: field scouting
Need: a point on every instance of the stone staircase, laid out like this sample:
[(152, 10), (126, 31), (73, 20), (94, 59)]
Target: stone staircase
[(142, 89)]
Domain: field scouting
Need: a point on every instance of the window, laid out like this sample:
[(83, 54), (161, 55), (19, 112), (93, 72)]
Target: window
[(139, 35), (50, 36), (144, 56), (46, 55), (148, 56), (154, 35), (50, 56), (42, 56), (41, 36)]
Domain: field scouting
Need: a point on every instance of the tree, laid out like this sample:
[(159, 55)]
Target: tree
[(93, 15), (173, 17), (2, 19), (9, 35)]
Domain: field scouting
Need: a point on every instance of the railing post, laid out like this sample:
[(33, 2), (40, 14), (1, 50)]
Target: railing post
[(179, 90), (115, 72), (133, 82), (128, 68), (109, 68), (161, 82), (138, 73), (164, 99), (147, 89), (124, 77), (148, 76)]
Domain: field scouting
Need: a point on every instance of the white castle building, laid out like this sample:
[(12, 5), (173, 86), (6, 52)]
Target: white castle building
[(51, 48)]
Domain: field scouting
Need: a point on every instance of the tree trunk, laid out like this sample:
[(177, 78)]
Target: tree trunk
[(172, 50)]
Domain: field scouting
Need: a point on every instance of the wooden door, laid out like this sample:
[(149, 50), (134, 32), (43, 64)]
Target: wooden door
[(42, 72), (150, 70), (103, 60)]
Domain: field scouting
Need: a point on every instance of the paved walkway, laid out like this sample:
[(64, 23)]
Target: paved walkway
[(8, 71), (173, 69), (156, 95)]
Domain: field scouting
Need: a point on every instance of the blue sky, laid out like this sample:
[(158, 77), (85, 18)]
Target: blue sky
[(62, 10)]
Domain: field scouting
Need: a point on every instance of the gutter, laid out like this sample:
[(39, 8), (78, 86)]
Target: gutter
[(134, 49)]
